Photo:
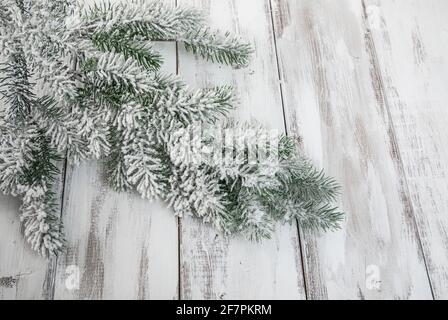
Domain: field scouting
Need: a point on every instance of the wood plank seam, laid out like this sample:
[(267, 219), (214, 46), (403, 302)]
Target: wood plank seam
[(179, 219), (393, 137), (54, 262), (274, 35)]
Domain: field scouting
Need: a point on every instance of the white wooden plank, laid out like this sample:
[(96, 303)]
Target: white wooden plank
[(411, 41), (23, 274), (330, 90), (213, 267), (119, 246)]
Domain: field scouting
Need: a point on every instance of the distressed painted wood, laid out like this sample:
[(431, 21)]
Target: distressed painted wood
[(119, 246), (363, 82), (213, 267), (331, 89), (411, 44), (23, 274)]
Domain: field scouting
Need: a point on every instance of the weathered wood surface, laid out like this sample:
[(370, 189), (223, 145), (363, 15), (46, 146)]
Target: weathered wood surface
[(411, 42), (23, 275), (333, 100), (364, 85)]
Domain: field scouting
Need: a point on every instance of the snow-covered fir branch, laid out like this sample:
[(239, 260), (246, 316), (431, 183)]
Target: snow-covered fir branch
[(81, 80)]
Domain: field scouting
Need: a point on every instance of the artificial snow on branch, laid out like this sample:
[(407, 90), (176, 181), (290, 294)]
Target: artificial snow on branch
[(82, 81)]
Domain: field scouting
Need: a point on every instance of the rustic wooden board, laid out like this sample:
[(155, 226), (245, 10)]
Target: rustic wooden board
[(411, 42), (119, 246), (213, 267), (23, 274), (331, 93)]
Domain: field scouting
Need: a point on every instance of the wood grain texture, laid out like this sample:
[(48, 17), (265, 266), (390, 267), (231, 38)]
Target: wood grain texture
[(213, 267), (411, 43), (364, 84), (331, 89), (23, 274), (119, 246)]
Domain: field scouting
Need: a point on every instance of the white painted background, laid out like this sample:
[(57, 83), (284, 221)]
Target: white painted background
[(364, 83)]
